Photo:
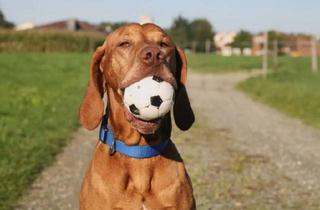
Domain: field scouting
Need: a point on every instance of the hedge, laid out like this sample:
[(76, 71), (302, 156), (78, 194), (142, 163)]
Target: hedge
[(49, 41)]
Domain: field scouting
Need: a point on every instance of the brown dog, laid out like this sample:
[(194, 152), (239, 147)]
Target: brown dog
[(116, 181)]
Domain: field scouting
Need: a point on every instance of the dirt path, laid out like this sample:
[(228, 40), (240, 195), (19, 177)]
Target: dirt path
[(240, 155), (257, 128)]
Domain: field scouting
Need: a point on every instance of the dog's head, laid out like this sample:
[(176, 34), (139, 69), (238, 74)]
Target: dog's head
[(129, 54)]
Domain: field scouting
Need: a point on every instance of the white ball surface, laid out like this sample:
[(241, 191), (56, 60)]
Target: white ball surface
[(149, 98)]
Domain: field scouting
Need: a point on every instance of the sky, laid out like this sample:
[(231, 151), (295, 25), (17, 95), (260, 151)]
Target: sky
[(225, 15)]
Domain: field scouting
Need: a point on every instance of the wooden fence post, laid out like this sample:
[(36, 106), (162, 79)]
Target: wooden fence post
[(194, 46), (314, 56), (265, 54), (208, 46), (275, 54)]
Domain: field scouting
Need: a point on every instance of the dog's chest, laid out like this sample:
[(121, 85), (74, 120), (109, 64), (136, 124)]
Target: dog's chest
[(141, 184), (139, 179)]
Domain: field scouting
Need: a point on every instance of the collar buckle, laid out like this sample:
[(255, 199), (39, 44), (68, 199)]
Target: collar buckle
[(112, 147)]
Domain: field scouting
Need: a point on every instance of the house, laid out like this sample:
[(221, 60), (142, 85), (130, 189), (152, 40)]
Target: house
[(24, 26), (145, 19), (223, 41), (257, 44), (70, 25), (291, 44), (299, 45)]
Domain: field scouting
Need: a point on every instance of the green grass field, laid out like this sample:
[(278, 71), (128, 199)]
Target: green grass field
[(292, 88), (40, 96), (211, 63)]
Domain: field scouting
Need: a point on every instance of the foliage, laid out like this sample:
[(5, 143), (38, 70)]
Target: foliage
[(180, 31), (40, 96), (191, 34), (291, 89), (48, 41), (242, 40), (201, 31), (211, 63), (4, 23), (278, 36)]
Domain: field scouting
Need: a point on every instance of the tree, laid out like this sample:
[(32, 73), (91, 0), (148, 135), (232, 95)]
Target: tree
[(242, 40), (278, 36), (201, 31), (4, 23), (180, 31)]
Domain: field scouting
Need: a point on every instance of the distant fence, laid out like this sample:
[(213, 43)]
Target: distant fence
[(310, 47), (49, 41)]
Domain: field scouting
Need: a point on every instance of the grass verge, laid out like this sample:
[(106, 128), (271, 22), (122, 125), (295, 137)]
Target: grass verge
[(292, 88), (40, 95), (211, 63)]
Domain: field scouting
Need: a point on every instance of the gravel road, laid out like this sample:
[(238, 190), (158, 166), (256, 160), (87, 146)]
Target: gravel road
[(242, 155), (257, 128)]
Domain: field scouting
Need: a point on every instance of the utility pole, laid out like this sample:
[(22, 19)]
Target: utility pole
[(208, 46), (275, 53), (194, 46), (265, 54), (314, 56)]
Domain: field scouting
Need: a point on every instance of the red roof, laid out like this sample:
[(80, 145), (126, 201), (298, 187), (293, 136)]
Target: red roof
[(71, 24)]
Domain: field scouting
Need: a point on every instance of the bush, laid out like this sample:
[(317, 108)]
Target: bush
[(49, 41)]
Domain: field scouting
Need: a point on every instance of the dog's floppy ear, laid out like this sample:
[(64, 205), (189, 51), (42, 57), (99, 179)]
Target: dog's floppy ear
[(182, 111), (91, 109)]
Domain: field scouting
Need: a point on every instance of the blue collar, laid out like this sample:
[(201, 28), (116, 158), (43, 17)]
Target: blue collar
[(147, 151)]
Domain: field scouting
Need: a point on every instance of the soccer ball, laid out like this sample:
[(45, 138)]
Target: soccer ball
[(149, 98)]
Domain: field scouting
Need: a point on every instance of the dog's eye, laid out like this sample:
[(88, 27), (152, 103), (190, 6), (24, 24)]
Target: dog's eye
[(163, 44), (124, 44)]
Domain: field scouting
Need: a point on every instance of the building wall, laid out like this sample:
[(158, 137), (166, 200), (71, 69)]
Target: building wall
[(301, 46), (293, 45), (257, 44)]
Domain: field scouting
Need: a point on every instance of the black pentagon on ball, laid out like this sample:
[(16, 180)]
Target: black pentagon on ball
[(134, 109), (156, 101), (157, 79)]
